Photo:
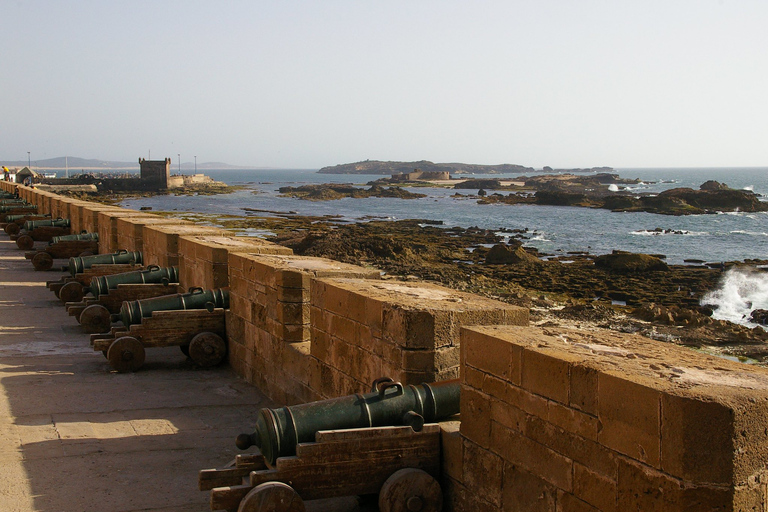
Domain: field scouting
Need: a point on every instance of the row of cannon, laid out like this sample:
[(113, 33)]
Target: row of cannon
[(397, 423)]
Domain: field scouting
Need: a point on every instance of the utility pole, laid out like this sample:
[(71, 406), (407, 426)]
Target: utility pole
[(179, 155)]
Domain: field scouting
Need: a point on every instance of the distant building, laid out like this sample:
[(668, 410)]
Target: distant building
[(155, 174), (25, 173)]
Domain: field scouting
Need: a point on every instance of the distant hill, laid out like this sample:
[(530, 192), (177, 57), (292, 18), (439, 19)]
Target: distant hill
[(380, 167), (75, 163)]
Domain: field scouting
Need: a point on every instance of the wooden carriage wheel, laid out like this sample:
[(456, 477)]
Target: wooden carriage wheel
[(207, 349), (95, 319), (126, 354), (25, 242), (12, 228), (72, 292), (272, 497), (42, 261), (410, 490)]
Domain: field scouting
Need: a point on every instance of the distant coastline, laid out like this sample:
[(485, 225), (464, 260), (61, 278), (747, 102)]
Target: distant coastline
[(395, 167)]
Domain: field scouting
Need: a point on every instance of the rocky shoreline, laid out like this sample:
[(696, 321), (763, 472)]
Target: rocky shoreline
[(623, 292), (620, 291)]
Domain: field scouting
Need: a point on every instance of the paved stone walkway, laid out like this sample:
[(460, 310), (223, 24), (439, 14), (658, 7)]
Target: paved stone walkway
[(75, 436)]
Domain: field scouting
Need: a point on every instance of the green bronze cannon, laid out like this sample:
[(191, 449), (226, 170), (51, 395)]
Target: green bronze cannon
[(133, 311), (31, 225), (5, 208), (13, 202), (82, 237), (279, 431), (78, 264), (152, 274), (17, 217)]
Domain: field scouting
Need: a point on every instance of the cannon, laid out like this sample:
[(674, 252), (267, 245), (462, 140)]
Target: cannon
[(10, 201), (96, 312), (41, 230), (278, 431), (15, 220), (132, 312), (193, 321), (64, 246), (356, 445), (31, 225), (83, 236), (79, 264), (152, 274)]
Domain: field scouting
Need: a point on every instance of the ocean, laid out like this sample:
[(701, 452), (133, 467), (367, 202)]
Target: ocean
[(551, 229)]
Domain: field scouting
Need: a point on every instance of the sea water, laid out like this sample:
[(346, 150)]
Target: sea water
[(733, 236)]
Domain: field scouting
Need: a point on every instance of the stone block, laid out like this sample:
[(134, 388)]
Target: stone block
[(534, 457), (630, 413), (494, 356), (483, 472), (527, 492), (476, 416)]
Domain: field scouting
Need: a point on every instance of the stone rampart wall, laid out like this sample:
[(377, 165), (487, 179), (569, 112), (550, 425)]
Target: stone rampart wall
[(552, 419)]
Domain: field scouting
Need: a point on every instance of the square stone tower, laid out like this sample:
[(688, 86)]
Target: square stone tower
[(155, 174)]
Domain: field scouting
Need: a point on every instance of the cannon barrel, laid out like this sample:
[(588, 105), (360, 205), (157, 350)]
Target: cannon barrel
[(32, 224), (14, 218), (80, 263), (10, 207), (14, 202), (133, 311), (152, 274), (73, 238), (279, 431)]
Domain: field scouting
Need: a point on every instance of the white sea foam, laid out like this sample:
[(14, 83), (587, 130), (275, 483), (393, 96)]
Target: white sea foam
[(613, 187), (739, 292)]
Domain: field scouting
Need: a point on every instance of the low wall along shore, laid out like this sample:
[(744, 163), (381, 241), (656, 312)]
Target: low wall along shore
[(552, 419)]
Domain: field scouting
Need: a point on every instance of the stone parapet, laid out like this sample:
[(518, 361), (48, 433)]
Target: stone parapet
[(570, 420), (161, 242), (204, 259), (269, 322), (130, 229), (106, 225), (363, 330)]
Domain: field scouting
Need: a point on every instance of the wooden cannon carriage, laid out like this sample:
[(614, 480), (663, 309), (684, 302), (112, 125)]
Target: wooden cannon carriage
[(397, 463), (200, 333), (385, 442), (62, 248), (95, 314), (72, 288)]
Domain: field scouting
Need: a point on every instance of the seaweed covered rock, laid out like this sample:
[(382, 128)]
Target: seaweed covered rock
[(620, 261), (501, 254)]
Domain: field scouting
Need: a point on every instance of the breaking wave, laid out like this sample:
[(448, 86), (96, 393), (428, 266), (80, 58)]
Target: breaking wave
[(739, 292)]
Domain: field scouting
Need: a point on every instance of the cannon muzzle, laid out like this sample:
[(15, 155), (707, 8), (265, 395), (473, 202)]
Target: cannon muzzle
[(152, 274), (279, 431), (133, 311), (78, 264)]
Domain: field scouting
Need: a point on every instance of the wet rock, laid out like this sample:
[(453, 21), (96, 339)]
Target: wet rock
[(620, 261), (501, 254), (713, 185), (759, 316)]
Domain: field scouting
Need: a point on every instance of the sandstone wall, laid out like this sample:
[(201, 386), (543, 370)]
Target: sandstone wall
[(552, 419), (568, 420)]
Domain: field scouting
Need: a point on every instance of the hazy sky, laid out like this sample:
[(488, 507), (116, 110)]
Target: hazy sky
[(304, 84)]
